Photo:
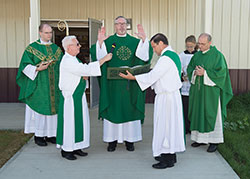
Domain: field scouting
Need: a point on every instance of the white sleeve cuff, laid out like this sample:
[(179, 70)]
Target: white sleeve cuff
[(100, 51), (30, 72), (142, 50), (87, 84), (193, 78), (207, 80)]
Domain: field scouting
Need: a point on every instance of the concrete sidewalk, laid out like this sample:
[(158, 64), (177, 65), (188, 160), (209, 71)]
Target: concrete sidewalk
[(37, 162)]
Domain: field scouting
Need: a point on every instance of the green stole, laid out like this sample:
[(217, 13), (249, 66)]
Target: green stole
[(175, 58), (203, 99), (78, 114), (121, 100), (41, 94)]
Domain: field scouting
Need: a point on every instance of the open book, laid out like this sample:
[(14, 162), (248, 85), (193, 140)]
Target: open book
[(113, 72)]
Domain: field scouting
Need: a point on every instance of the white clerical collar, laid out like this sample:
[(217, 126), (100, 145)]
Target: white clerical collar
[(205, 51), (69, 55), (45, 43), (167, 48), (122, 35)]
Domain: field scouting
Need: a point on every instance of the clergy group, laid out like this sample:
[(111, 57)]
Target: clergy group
[(53, 84)]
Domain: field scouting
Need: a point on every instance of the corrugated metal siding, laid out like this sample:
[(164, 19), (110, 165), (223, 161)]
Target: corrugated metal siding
[(14, 31), (231, 31), (175, 18)]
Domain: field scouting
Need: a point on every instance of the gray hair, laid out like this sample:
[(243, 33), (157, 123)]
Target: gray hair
[(121, 17), (67, 41), (209, 37)]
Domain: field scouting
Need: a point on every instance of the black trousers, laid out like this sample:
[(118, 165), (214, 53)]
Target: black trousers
[(185, 111)]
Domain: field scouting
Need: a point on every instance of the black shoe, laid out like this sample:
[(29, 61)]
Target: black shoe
[(51, 139), (129, 146), (112, 146), (174, 158), (80, 153), (68, 155), (163, 165), (196, 144), (212, 148), (40, 141), (158, 158)]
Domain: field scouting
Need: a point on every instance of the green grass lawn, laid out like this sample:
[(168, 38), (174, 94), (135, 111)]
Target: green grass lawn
[(236, 149), (10, 142)]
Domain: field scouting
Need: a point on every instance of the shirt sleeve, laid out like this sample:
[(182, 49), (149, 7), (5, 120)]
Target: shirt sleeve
[(193, 78), (100, 51), (148, 79), (79, 69), (30, 72), (141, 50)]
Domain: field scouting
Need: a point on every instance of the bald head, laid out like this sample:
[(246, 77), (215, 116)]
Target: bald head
[(206, 35), (204, 41), (45, 32), (43, 26)]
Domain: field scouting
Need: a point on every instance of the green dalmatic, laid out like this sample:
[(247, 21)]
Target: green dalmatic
[(121, 100), (41, 94)]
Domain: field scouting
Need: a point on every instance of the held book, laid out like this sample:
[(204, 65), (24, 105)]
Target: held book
[(113, 72)]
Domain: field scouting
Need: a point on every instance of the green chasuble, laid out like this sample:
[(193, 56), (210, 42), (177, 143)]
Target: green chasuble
[(78, 114), (203, 99), (121, 100), (41, 94)]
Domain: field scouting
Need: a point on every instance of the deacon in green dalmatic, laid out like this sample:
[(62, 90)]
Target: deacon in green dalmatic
[(38, 77), (122, 103), (209, 94)]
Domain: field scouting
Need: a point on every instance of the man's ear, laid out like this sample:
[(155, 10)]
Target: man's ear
[(160, 43)]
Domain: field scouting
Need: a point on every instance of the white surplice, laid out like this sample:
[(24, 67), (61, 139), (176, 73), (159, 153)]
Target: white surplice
[(39, 124), (71, 71), (129, 131), (185, 60), (164, 78)]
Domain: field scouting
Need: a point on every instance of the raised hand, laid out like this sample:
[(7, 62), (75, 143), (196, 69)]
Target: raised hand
[(101, 35), (141, 34)]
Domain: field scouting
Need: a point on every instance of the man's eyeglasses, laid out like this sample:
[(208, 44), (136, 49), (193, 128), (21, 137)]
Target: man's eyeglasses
[(202, 44), (78, 44), (121, 24)]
